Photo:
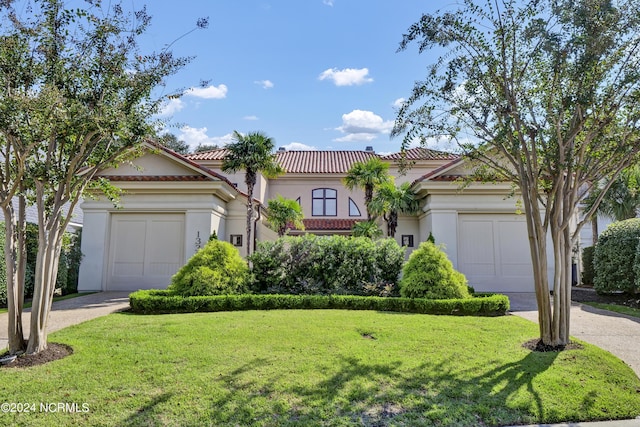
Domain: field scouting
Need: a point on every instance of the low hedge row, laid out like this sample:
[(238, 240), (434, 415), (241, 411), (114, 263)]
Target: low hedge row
[(162, 301)]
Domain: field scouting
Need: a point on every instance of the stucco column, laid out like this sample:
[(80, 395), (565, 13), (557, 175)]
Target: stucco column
[(444, 226)]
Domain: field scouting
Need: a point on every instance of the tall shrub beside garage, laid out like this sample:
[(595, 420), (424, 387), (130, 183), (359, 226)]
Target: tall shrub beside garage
[(614, 257), (429, 274), (216, 269)]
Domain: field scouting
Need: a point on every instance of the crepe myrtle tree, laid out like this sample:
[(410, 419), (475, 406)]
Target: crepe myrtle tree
[(548, 93), (253, 154), (77, 95)]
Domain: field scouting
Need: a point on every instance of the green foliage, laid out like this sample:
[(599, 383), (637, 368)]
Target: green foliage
[(158, 301), (213, 236), (68, 266), (282, 212), (429, 274), (615, 255), (588, 271), (311, 264), (368, 176), (216, 269), (369, 229), (389, 201)]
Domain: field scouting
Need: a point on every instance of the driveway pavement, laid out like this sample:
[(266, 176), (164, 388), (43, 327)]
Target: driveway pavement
[(71, 311), (616, 333)]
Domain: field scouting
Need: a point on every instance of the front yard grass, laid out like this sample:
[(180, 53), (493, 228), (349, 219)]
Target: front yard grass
[(317, 367)]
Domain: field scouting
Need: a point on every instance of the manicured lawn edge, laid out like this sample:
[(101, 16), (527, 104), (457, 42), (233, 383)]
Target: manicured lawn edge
[(162, 302), (616, 308)]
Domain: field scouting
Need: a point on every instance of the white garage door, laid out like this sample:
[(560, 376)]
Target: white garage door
[(145, 250), (493, 252)]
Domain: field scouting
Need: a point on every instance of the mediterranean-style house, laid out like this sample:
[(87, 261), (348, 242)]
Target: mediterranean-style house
[(173, 203)]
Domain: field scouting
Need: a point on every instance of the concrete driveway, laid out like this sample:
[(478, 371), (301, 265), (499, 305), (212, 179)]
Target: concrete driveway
[(71, 311), (616, 333)]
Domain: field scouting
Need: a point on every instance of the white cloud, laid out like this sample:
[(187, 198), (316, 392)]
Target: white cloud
[(172, 106), (196, 136), (398, 102), (347, 76), (266, 84), (328, 2), (209, 92), (250, 118), (360, 125), (298, 146)]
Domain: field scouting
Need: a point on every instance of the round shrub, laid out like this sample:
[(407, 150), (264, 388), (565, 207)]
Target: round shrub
[(216, 269), (614, 257), (429, 274)]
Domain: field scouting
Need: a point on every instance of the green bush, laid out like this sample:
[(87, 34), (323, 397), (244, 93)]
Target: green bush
[(587, 266), (429, 274), (157, 302), (313, 265), (614, 257), (216, 269)]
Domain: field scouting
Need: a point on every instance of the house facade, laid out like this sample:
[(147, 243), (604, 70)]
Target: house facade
[(171, 204)]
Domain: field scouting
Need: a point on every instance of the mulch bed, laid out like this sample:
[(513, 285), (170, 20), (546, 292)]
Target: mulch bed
[(54, 351)]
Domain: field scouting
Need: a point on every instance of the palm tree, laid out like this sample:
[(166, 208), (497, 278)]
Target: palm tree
[(283, 211), (620, 202), (368, 176), (366, 229), (252, 153), (390, 200)]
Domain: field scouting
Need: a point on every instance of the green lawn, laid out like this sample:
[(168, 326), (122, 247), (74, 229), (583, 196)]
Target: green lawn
[(617, 308), (317, 367)]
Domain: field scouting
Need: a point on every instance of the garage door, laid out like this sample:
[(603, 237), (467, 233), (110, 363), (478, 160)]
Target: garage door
[(493, 252), (145, 250)]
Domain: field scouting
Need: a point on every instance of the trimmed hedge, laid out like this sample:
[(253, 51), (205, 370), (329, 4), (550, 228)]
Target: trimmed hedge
[(315, 265), (163, 301), (615, 256)]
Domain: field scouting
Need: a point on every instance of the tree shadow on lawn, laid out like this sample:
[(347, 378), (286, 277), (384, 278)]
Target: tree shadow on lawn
[(379, 394)]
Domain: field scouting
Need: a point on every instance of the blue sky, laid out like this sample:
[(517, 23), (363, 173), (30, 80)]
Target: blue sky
[(311, 74)]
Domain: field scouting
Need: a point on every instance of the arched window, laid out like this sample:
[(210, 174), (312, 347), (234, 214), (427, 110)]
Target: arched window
[(353, 208), (324, 202)]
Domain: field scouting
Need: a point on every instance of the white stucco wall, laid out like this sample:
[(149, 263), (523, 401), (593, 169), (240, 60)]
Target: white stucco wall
[(202, 215)]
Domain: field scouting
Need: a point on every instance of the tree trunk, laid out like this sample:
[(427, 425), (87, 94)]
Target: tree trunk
[(50, 232), (49, 246), (15, 260), (249, 215), (392, 224), (594, 229)]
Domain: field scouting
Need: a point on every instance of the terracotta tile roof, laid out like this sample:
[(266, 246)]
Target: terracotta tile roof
[(420, 153), (321, 161), (439, 171), (318, 224), (329, 161), (157, 177), (218, 154)]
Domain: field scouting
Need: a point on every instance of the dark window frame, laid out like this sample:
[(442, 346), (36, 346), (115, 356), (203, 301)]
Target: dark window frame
[(323, 200), (355, 205)]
